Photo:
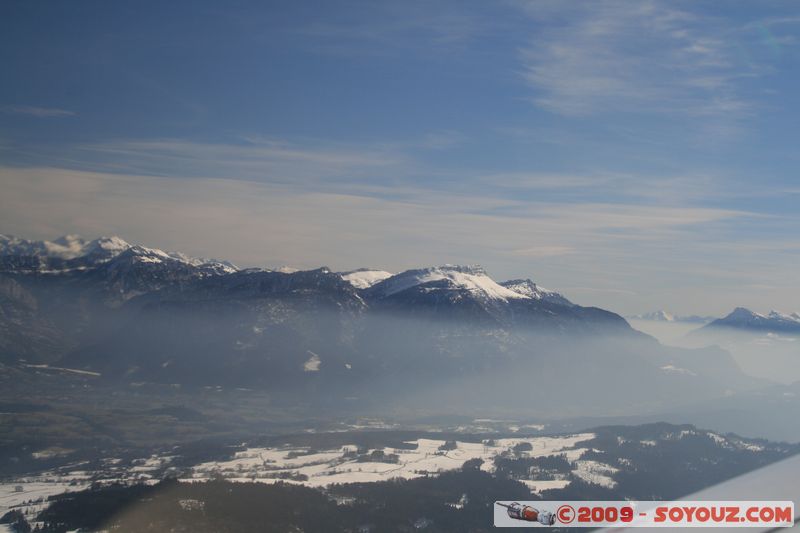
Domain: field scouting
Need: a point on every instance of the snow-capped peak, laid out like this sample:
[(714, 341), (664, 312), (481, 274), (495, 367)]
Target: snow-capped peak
[(224, 266), (742, 313), (774, 320), (66, 247), (777, 315), (658, 316), (527, 287), (364, 278), (109, 244), (73, 248), (471, 277), (143, 254), (150, 255)]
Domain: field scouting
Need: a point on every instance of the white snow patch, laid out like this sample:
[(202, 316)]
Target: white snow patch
[(471, 278), (751, 447), (672, 369), (719, 439), (595, 472), (32, 499), (538, 486), (312, 365), (365, 278)]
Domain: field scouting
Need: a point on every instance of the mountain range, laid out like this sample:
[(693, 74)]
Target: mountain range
[(663, 316), (745, 319), (740, 318), (447, 335)]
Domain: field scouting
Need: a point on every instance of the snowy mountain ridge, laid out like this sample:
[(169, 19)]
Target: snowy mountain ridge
[(528, 288), (743, 318), (364, 278), (133, 269), (66, 247), (472, 278), (74, 252)]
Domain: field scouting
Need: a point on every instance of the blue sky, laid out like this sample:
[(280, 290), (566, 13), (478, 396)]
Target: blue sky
[(635, 155)]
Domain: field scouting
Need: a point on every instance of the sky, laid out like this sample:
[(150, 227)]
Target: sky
[(632, 155)]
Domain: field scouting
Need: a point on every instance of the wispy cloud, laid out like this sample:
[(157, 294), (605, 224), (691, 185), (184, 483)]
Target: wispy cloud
[(252, 158), (543, 251), (333, 226), (399, 170), (34, 111), (383, 169), (381, 28), (613, 56)]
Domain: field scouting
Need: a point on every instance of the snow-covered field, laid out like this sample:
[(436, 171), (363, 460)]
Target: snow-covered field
[(318, 468), (595, 472), (29, 494), (537, 486), (428, 456)]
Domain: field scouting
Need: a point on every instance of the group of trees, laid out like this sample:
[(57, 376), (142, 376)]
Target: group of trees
[(233, 507), (16, 520)]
